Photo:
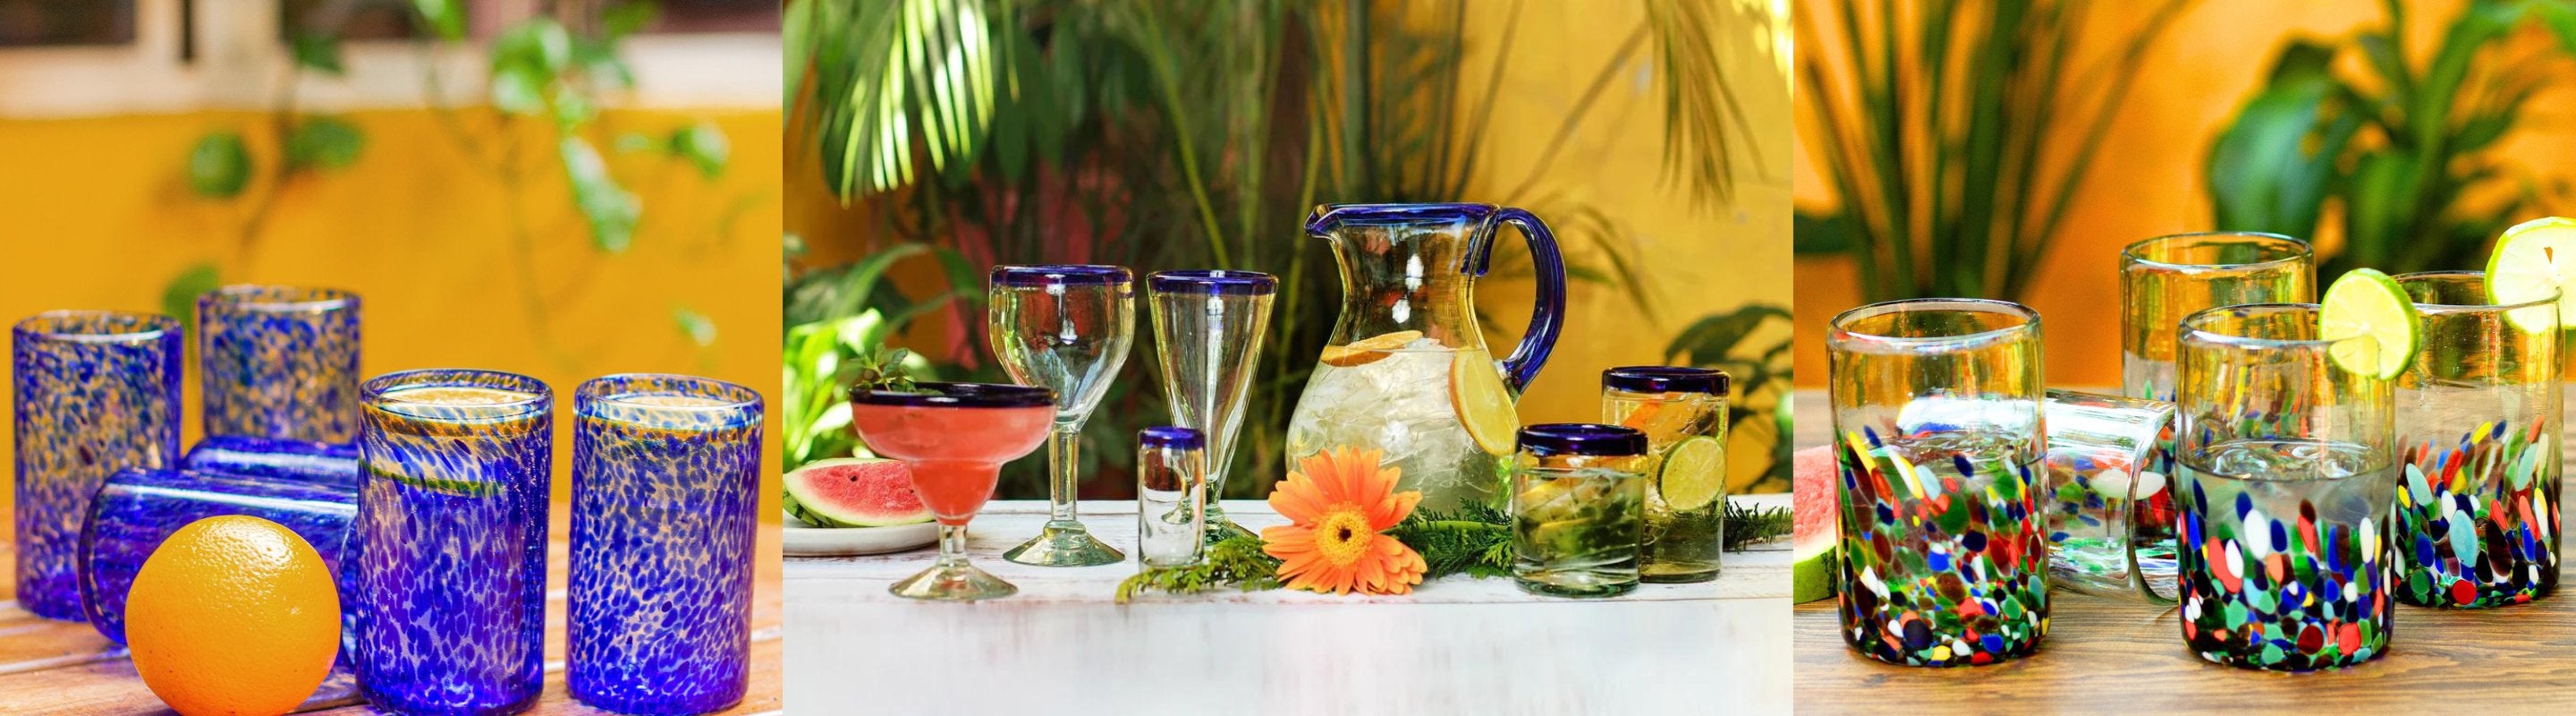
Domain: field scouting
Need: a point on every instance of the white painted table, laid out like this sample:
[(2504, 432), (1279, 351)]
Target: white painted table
[(1456, 645)]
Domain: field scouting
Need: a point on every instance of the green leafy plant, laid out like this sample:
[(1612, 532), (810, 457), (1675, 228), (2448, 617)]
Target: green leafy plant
[(1937, 124), (2409, 155), (838, 321), (1761, 372)]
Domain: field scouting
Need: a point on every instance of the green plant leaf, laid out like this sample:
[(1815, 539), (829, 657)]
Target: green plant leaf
[(2560, 17), (624, 19), (179, 296), (519, 89), (2272, 169), (1815, 234), (700, 330), (324, 141), (540, 44), (219, 166), (442, 16), (316, 51), (703, 144), (610, 210)]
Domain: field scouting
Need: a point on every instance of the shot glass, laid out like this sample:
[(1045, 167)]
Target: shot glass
[(451, 540), (2285, 486), (1944, 558), (138, 508), (2168, 278), (279, 362), (1682, 411), (2478, 447), (97, 392), (1171, 496), (665, 488), (1578, 509), (325, 463)]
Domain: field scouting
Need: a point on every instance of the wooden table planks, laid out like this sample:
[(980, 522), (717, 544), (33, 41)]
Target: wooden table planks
[(1456, 645), (60, 667), (2107, 654)]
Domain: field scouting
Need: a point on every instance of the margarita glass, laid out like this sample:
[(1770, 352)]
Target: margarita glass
[(955, 437)]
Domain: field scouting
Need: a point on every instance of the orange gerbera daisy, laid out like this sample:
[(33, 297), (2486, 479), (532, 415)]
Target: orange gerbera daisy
[(1337, 502)]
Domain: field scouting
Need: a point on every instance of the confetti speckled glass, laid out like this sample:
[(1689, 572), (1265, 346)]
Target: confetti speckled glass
[(97, 391), (665, 483), (138, 508), (326, 463), (2478, 443), (451, 541), (2110, 516), (2285, 488), (279, 362), (1944, 561)]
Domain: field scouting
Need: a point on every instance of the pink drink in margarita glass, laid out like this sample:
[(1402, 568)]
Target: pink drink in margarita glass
[(955, 437)]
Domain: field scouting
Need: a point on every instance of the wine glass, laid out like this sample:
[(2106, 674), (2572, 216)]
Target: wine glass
[(1067, 328)]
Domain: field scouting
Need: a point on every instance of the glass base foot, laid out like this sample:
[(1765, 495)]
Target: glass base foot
[(1678, 576), (1064, 546), (958, 583)]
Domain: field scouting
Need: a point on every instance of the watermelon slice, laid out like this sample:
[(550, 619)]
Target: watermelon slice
[(854, 492), (1814, 539)]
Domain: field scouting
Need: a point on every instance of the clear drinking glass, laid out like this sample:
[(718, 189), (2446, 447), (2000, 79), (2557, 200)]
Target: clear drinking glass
[(1685, 499), (1578, 509), (279, 362), (2477, 428), (451, 540), (1171, 496), (2106, 533), (665, 497), (97, 392), (1065, 328), (1944, 558), (2168, 278), (2285, 488), (1208, 327), (955, 437)]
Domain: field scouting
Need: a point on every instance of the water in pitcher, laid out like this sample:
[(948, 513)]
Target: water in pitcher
[(1387, 399)]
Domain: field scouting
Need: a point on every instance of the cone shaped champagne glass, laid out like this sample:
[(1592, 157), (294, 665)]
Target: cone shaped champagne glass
[(955, 437), (1065, 328), (1207, 334)]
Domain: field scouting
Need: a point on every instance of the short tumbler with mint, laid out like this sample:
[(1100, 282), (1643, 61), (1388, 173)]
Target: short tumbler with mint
[(2478, 447), (1682, 411), (1944, 559), (1578, 509), (2287, 474)]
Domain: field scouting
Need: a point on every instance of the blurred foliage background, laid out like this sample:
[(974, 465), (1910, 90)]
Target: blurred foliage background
[(931, 139)]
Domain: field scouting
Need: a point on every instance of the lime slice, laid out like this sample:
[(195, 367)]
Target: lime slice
[(2368, 304), (1484, 405), (2531, 261), (1694, 473)]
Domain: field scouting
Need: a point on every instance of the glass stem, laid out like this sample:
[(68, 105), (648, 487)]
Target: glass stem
[(1064, 444), (952, 545)]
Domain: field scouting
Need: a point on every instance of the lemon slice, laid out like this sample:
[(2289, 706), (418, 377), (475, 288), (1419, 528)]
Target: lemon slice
[(1484, 405), (2532, 261), (1694, 473), (1368, 350), (2366, 303)]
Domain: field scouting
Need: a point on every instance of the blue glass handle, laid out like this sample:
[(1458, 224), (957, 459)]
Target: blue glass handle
[(1545, 318)]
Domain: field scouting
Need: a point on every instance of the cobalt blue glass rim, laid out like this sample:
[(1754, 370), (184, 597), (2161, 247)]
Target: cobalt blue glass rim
[(1582, 439), (1038, 276), (1667, 379), (957, 395), (1170, 437), (1235, 283)]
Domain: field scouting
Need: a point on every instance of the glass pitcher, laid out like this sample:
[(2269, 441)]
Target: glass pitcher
[(1406, 372)]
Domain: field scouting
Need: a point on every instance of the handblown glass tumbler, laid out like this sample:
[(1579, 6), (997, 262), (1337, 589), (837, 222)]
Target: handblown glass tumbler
[(279, 362), (1944, 558), (2285, 488), (1171, 496), (1682, 411), (2110, 516), (1578, 509), (451, 541), (97, 392), (2168, 278), (2478, 448), (1208, 327), (665, 483), (331, 463), (138, 508)]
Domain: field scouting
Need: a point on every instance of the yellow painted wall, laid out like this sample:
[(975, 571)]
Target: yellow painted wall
[(94, 213), (2147, 179)]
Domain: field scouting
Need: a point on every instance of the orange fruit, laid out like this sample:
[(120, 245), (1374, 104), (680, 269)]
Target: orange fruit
[(233, 615), (1368, 350)]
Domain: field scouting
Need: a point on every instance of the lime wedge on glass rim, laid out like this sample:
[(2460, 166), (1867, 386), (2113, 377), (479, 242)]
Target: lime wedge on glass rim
[(2368, 304), (2531, 262)]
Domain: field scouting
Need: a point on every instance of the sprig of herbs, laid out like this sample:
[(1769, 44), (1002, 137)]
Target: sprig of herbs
[(1475, 540), (1236, 562), (1747, 525), (880, 368)]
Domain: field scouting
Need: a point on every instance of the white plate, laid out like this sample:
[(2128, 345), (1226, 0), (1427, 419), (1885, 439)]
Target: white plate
[(801, 540)]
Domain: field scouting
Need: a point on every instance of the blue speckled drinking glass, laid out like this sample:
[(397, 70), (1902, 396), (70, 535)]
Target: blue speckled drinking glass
[(327, 463), (279, 362), (451, 541), (138, 508), (665, 487), (97, 391)]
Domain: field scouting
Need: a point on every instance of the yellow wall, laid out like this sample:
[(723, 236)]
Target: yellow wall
[(94, 213), (2147, 179)]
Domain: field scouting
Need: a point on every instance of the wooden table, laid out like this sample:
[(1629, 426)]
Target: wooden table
[(2115, 655), (1456, 645), (62, 667)]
